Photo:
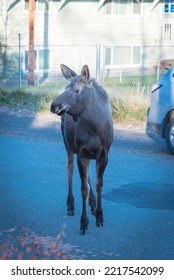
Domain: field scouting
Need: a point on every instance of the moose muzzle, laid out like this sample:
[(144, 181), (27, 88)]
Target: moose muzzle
[(58, 109)]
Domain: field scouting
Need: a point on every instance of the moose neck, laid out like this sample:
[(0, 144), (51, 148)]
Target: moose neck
[(93, 114)]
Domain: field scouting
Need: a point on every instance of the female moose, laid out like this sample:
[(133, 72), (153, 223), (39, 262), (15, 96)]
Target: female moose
[(87, 128)]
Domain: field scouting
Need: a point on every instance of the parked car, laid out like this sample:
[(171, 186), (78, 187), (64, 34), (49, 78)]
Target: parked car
[(161, 111)]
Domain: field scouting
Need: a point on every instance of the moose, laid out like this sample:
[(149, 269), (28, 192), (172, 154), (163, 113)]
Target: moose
[(87, 129)]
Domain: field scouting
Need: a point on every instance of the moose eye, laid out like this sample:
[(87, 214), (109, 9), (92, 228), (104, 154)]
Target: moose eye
[(77, 90)]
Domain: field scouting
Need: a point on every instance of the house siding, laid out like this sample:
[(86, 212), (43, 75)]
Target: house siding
[(72, 33)]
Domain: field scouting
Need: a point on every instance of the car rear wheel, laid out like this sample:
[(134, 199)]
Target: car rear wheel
[(169, 136)]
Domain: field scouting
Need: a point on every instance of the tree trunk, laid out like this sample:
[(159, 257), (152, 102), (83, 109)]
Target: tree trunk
[(31, 56)]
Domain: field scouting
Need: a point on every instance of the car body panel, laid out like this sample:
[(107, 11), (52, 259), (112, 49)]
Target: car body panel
[(162, 103)]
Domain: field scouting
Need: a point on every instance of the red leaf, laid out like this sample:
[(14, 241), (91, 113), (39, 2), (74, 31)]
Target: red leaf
[(57, 253), (33, 258), (53, 246), (45, 252), (20, 255), (36, 246), (42, 240), (28, 249)]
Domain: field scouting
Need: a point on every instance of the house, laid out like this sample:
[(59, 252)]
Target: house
[(112, 34)]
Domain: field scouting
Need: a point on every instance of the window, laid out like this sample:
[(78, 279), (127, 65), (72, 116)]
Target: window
[(122, 7), (136, 57), (168, 6), (40, 5), (167, 32), (42, 59), (121, 56), (107, 56), (26, 5)]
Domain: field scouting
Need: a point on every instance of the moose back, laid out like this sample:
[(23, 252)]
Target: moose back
[(87, 129)]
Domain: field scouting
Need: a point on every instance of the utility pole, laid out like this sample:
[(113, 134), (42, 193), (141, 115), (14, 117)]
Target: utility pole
[(31, 57)]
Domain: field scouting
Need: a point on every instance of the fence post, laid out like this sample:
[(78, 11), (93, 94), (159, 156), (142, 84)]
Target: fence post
[(19, 37), (121, 75), (158, 70), (98, 61)]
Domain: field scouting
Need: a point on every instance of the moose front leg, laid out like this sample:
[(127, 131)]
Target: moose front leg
[(101, 163), (83, 166), (92, 200), (70, 197)]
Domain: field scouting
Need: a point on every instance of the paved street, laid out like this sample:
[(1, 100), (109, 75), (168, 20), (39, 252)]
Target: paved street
[(138, 194)]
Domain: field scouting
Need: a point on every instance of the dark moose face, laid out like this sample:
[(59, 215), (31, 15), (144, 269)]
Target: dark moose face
[(73, 99)]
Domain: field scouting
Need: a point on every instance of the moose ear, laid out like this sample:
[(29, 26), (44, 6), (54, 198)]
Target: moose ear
[(67, 72), (85, 72)]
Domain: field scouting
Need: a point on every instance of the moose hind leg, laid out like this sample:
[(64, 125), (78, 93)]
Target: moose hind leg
[(100, 168), (83, 166), (70, 197)]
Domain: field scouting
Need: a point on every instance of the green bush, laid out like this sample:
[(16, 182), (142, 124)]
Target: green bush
[(127, 105), (34, 99)]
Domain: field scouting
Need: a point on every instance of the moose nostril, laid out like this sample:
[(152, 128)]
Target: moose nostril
[(56, 110)]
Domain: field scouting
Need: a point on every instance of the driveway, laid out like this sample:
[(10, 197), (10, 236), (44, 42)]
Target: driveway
[(138, 195)]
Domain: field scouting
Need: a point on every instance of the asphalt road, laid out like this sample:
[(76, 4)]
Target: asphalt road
[(138, 194)]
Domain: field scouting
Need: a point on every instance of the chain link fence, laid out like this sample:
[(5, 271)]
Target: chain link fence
[(129, 68), (136, 69)]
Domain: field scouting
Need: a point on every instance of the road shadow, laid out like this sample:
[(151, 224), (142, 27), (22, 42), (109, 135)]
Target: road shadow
[(144, 195), (37, 126)]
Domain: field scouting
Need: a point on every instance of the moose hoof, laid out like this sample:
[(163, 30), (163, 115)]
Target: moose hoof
[(70, 207), (99, 219), (84, 225), (83, 232), (70, 212)]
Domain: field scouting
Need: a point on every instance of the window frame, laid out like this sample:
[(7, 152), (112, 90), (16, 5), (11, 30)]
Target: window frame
[(132, 14), (169, 3), (37, 10), (37, 61), (131, 64), (167, 32)]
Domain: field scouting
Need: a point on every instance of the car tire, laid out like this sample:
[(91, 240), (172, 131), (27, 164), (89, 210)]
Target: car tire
[(169, 136)]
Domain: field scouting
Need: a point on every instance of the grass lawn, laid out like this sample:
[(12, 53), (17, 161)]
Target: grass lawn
[(130, 99)]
